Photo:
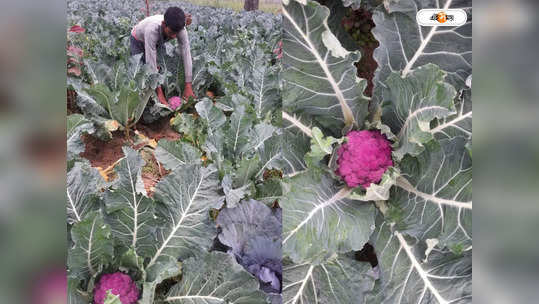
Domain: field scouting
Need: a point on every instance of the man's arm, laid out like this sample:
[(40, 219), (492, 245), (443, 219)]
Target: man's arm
[(150, 52), (185, 50)]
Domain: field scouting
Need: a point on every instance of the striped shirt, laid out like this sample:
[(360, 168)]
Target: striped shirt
[(150, 32)]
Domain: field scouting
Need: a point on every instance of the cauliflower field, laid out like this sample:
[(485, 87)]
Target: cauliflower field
[(172, 214), (327, 158)]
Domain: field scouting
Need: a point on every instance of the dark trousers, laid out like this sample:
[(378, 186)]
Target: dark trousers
[(137, 47)]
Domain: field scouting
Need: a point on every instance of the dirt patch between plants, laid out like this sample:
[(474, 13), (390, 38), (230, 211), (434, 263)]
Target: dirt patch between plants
[(367, 65), (103, 153), (158, 130), (152, 172), (72, 107)]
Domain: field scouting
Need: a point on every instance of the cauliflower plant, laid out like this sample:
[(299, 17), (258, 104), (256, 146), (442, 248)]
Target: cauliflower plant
[(175, 102), (119, 284), (364, 158)]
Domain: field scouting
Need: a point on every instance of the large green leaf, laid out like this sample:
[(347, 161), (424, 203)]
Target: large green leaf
[(215, 278), (318, 219), (434, 193), (265, 89), (320, 76), (120, 92), (297, 143), (459, 124), (128, 105), (270, 155), (237, 130), (214, 119), (405, 45), (412, 271), (130, 212), (93, 246), (90, 101), (163, 269), (74, 295), (340, 279), (411, 103), (187, 194), (424, 242), (234, 195), (173, 154), (82, 189), (76, 126), (258, 135)]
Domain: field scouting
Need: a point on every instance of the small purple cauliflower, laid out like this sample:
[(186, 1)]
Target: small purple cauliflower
[(364, 158), (119, 284), (175, 102)]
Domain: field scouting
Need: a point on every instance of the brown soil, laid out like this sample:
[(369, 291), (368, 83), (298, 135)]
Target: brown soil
[(72, 107), (152, 172), (366, 65), (103, 153), (158, 130)]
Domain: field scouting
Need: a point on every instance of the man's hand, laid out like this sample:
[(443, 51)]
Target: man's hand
[(161, 96), (188, 91), (188, 19)]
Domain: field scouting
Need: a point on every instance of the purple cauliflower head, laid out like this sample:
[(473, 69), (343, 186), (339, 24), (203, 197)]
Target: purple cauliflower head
[(364, 158), (119, 284), (175, 102)]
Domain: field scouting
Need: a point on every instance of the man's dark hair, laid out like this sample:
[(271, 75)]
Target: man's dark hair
[(175, 18)]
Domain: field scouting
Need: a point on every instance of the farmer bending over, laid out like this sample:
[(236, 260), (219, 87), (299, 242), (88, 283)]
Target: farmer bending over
[(153, 32)]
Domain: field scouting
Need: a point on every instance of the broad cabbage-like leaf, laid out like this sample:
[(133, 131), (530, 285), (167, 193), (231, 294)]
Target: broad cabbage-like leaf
[(237, 130), (459, 124), (214, 119), (75, 297), (423, 244), (319, 219), (414, 270), (174, 154), (120, 92), (92, 246), (77, 125), (258, 136), (82, 191), (163, 269), (405, 45), (186, 196), (434, 193), (215, 278), (411, 103), (319, 74), (234, 195), (270, 154), (267, 96), (297, 144), (130, 212), (340, 279)]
